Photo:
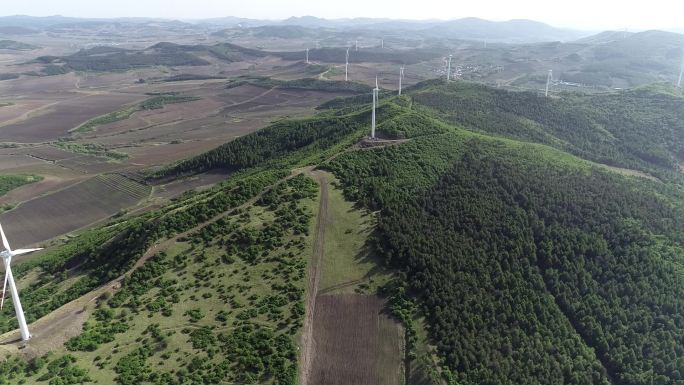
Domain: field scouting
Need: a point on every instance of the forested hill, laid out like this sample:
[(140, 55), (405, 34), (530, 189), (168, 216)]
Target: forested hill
[(640, 129), (530, 264)]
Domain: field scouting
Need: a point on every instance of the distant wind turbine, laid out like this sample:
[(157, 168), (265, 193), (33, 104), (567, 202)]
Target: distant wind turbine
[(401, 76), (357, 45), (346, 66), (449, 69), (7, 255), (307, 56), (681, 72), (375, 102), (548, 82)]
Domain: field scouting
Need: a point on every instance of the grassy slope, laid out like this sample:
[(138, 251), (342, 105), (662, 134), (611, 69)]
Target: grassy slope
[(201, 275), (349, 264)]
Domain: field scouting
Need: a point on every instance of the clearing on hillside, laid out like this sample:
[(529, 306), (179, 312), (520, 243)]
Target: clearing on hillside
[(356, 342)]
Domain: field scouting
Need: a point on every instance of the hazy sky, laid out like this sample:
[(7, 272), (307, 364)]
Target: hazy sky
[(582, 14)]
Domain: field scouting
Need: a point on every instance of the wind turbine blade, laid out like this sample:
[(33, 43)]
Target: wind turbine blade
[(4, 287), (4, 239), (24, 251)]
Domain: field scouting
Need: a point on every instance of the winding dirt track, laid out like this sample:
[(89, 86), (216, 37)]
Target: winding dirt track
[(308, 345)]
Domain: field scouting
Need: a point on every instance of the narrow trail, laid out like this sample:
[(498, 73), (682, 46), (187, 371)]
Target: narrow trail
[(50, 332), (308, 344)]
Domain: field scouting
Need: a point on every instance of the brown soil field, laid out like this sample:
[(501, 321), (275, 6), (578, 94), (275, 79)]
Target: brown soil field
[(106, 80), (160, 153), (11, 162), (47, 152), (21, 107), (356, 343), (34, 85), (196, 182), (170, 113), (240, 94), (69, 209), (64, 116), (33, 190), (85, 164), (283, 98), (152, 144), (80, 163)]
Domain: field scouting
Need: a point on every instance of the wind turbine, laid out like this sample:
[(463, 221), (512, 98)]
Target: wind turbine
[(346, 66), (382, 43), (307, 56), (449, 69), (548, 82), (375, 101), (357, 45), (681, 72), (7, 255), (401, 76)]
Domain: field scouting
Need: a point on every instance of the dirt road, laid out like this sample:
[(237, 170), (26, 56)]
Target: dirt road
[(308, 345)]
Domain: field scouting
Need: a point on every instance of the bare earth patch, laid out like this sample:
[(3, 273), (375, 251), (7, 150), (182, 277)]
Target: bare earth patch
[(356, 343)]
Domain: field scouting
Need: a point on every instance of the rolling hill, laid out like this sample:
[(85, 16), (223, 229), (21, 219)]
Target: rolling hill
[(528, 239)]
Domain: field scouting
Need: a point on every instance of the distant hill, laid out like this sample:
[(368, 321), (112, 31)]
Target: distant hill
[(14, 30), (512, 31), (104, 58), (16, 45)]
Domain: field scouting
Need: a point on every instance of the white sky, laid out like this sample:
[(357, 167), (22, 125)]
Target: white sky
[(580, 14)]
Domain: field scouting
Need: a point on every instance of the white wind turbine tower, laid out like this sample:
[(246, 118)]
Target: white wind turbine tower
[(375, 101), (357, 45), (7, 255), (449, 69), (548, 82), (681, 72), (346, 66), (307, 56), (382, 43), (401, 76)]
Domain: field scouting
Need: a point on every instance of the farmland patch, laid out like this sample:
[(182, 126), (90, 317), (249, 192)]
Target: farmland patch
[(356, 342), (74, 207)]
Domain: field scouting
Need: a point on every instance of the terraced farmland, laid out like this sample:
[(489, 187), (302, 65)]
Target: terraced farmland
[(72, 208)]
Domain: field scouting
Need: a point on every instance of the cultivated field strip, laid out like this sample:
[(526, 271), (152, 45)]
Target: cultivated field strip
[(356, 342), (125, 185), (72, 208)]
